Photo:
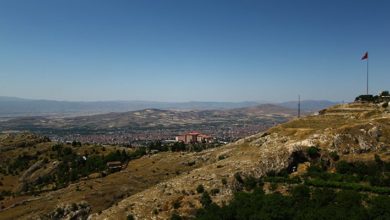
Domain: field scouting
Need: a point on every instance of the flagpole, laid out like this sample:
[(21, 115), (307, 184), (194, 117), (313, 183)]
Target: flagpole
[(367, 75)]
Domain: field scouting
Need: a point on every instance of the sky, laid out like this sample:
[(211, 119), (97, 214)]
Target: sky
[(199, 50)]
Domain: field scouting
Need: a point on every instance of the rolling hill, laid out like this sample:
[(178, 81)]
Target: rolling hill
[(317, 152), (11, 107), (168, 123)]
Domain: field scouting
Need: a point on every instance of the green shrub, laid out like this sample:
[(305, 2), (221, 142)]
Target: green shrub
[(200, 188), (344, 167), (175, 216), (301, 192), (313, 152), (221, 157), (379, 207), (205, 199), (273, 186), (214, 191), (176, 204), (334, 156), (250, 183), (238, 177)]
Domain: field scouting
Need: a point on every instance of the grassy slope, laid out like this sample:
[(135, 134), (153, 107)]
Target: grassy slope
[(102, 193)]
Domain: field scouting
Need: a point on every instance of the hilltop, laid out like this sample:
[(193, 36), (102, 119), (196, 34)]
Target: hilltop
[(355, 132), (160, 185)]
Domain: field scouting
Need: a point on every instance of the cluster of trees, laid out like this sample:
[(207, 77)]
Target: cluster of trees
[(375, 173), (73, 166), (4, 193), (318, 194), (20, 163), (302, 203), (179, 146)]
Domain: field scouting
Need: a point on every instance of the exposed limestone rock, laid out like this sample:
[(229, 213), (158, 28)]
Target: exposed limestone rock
[(32, 169), (375, 132), (79, 211), (37, 170)]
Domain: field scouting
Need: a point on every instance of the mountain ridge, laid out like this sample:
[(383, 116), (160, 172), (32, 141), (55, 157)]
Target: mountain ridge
[(16, 107)]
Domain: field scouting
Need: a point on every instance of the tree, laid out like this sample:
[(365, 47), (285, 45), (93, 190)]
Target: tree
[(205, 199)]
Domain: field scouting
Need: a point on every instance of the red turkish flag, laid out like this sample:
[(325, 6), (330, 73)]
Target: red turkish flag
[(365, 57)]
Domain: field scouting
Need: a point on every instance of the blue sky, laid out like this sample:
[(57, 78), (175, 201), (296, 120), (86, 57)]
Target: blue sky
[(200, 50)]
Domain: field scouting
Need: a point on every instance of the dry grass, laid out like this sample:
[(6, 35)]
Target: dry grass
[(102, 193)]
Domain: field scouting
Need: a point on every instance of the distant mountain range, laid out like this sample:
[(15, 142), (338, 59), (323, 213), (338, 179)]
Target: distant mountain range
[(16, 107), (309, 105), (151, 118)]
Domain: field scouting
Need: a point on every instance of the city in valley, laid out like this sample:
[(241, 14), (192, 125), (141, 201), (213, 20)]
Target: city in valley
[(137, 128), (194, 110)]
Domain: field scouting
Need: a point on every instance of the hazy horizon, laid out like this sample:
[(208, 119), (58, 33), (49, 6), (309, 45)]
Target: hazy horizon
[(173, 101), (178, 51)]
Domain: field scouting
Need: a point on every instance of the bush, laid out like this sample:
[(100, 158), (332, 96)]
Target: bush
[(250, 183), (343, 167), (334, 156), (205, 199), (323, 197), (238, 177), (378, 160), (76, 144), (176, 204), (191, 163), (175, 216), (214, 191), (301, 192), (379, 208), (200, 188), (221, 157), (273, 186), (313, 152)]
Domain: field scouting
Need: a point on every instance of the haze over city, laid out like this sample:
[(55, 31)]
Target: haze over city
[(192, 50)]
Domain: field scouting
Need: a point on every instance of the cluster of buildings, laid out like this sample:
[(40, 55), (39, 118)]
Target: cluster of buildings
[(194, 137)]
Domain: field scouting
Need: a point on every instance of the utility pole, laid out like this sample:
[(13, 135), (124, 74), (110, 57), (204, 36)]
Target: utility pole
[(299, 106)]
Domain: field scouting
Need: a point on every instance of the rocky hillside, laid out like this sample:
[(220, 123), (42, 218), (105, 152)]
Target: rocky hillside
[(155, 186), (354, 131)]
